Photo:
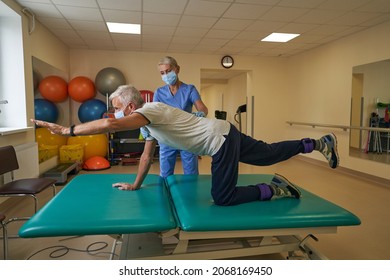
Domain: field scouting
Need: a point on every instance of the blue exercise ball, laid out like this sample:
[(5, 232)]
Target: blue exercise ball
[(45, 110), (92, 109)]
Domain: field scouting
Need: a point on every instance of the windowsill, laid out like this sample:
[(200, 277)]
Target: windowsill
[(13, 130)]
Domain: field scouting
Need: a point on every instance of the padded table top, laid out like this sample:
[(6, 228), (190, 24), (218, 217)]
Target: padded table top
[(89, 205), (197, 212)]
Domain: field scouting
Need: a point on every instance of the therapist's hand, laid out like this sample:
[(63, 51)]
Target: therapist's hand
[(125, 186), (200, 114)]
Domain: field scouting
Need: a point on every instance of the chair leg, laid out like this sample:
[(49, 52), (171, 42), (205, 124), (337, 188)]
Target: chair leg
[(54, 190), (36, 198), (5, 240), (35, 203)]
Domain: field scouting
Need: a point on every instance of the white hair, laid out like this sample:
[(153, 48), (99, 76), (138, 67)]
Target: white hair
[(127, 94)]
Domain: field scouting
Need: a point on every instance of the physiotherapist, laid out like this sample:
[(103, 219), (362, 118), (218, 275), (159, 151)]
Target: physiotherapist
[(183, 96)]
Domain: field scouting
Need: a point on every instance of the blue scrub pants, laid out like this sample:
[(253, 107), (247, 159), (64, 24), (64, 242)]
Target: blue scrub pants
[(168, 158), (239, 147)]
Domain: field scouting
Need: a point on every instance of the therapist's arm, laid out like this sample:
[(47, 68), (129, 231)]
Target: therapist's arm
[(145, 162), (201, 107)]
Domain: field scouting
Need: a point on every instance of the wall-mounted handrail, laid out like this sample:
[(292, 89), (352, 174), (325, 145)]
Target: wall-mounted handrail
[(343, 127)]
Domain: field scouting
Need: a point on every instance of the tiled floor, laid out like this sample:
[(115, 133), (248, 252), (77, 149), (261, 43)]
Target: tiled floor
[(367, 199)]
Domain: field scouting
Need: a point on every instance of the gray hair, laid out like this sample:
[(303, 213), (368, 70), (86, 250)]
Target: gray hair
[(168, 60), (127, 94)]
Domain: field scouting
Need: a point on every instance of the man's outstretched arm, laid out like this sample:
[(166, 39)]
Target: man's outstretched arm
[(131, 122)]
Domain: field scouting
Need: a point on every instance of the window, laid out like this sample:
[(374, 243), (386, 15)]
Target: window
[(13, 113)]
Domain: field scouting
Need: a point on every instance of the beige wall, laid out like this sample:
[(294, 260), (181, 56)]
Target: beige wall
[(235, 96), (314, 86), (213, 96), (226, 96), (321, 82), (140, 69)]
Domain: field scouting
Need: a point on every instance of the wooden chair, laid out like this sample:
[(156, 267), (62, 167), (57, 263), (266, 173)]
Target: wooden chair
[(20, 187), (5, 239)]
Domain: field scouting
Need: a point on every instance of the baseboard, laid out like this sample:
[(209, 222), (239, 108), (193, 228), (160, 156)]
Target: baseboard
[(361, 175)]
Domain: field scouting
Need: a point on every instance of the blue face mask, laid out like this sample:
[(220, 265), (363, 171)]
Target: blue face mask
[(120, 114), (170, 78)]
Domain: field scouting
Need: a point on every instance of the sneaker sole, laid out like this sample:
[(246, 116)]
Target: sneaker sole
[(293, 189)]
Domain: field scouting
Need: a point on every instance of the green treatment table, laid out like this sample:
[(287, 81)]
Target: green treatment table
[(177, 219)]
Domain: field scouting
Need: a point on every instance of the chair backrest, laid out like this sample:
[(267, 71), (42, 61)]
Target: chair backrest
[(8, 159)]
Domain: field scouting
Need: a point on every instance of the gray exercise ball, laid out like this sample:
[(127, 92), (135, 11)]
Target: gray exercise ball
[(108, 80)]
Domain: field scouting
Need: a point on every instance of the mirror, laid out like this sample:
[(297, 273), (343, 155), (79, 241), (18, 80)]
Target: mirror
[(370, 107), (43, 70), (49, 109)]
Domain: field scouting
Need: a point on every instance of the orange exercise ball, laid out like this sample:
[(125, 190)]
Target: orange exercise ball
[(81, 89), (44, 137), (94, 145), (53, 88), (96, 163)]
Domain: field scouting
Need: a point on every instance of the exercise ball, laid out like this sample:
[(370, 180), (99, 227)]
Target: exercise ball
[(92, 109), (94, 145), (44, 137), (96, 163), (45, 110), (147, 95), (81, 89), (108, 80), (54, 89)]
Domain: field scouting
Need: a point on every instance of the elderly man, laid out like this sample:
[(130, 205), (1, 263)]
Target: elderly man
[(213, 137)]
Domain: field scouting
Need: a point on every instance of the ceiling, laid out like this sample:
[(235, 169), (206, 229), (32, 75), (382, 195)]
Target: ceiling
[(219, 27)]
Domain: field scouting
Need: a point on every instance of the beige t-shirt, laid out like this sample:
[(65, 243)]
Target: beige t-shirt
[(182, 130)]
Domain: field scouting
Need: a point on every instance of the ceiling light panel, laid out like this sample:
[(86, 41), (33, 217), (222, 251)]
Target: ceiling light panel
[(279, 37), (128, 28)]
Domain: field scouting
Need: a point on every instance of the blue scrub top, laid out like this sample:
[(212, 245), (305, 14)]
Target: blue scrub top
[(184, 98)]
